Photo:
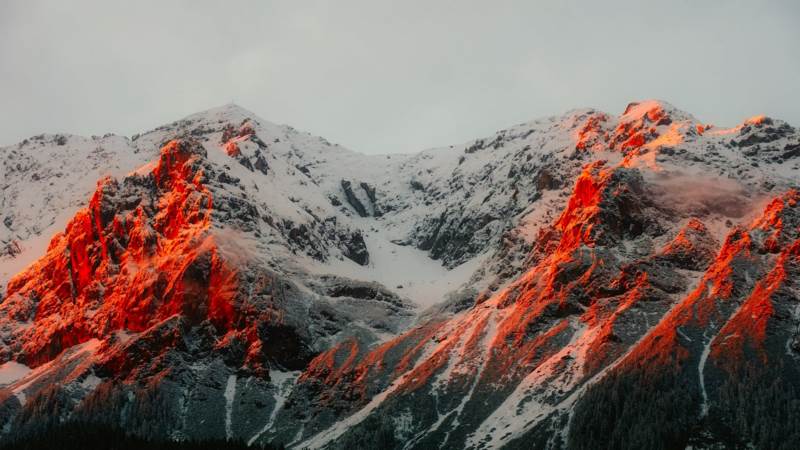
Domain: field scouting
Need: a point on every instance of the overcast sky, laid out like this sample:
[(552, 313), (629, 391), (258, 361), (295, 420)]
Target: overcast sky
[(380, 77)]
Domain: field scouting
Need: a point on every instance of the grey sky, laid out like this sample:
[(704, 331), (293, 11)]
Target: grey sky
[(380, 77)]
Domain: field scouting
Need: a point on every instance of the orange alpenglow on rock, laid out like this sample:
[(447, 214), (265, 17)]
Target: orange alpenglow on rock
[(132, 267), (584, 276)]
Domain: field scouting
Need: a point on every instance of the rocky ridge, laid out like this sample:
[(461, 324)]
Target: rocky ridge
[(259, 283)]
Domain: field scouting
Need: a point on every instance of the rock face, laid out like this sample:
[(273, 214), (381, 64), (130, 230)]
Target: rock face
[(583, 281)]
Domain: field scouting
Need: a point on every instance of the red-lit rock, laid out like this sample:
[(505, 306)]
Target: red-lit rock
[(128, 266)]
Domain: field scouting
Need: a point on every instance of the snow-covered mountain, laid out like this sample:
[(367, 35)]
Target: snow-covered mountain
[(580, 281)]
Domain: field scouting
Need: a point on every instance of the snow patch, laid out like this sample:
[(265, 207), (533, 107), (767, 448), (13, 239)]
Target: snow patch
[(284, 384), (12, 371), (91, 382), (230, 393), (406, 270)]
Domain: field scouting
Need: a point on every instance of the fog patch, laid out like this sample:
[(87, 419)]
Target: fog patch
[(703, 195), (234, 245)]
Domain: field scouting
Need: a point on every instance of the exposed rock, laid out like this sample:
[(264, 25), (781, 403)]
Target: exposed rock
[(352, 199), (618, 302)]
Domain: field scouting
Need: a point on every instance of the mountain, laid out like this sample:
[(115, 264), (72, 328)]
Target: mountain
[(579, 281)]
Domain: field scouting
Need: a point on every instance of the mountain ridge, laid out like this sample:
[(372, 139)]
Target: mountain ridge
[(479, 296)]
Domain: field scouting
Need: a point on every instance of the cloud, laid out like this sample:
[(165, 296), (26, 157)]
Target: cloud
[(388, 76), (700, 195)]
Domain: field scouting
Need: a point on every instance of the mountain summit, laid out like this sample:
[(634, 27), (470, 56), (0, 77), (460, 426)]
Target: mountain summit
[(579, 281)]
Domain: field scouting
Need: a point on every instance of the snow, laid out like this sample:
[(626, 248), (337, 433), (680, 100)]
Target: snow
[(284, 383), (65, 176), (527, 405), (12, 371), (19, 385), (321, 439), (641, 108), (43, 184), (230, 394), (444, 377), (700, 371), (91, 382), (408, 271), (288, 194), (563, 372), (486, 340), (683, 335)]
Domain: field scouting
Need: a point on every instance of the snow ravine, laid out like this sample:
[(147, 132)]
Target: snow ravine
[(230, 394)]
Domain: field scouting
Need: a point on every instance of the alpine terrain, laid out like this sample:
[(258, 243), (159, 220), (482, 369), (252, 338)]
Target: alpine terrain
[(583, 281)]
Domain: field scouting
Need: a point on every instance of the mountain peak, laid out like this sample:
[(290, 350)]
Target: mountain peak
[(654, 110), (230, 112), (252, 282)]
